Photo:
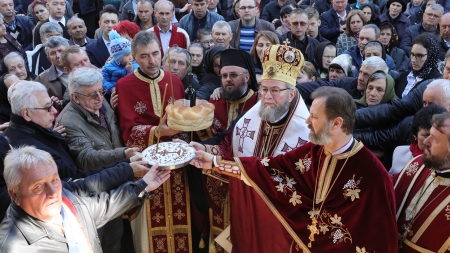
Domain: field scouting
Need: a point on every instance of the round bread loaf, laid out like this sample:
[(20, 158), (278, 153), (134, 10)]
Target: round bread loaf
[(185, 118)]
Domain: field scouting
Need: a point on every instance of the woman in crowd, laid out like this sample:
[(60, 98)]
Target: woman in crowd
[(420, 130), (7, 44), (127, 29), (424, 60), (371, 12), (308, 73), (284, 28), (340, 67), (379, 90), (413, 7), (325, 53), (197, 52), (38, 12), (211, 75), (354, 23), (389, 38), (263, 40)]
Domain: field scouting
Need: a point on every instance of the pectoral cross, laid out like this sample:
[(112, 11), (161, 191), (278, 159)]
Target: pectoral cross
[(314, 230), (408, 232)]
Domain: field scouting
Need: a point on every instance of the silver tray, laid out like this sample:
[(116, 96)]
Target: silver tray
[(180, 154)]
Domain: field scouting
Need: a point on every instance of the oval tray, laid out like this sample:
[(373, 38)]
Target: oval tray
[(162, 148)]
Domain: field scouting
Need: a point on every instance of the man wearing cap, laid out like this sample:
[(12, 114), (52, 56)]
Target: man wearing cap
[(396, 17), (275, 125), (316, 190)]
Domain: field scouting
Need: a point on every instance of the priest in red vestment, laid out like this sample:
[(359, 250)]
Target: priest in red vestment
[(162, 224), (332, 194), (238, 91), (273, 126), (422, 191)]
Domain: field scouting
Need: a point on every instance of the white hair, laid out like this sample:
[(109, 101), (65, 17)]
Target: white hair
[(21, 159), (220, 24), (84, 76), (445, 85), (377, 63), (24, 95)]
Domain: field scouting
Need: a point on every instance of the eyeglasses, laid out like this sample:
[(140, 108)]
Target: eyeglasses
[(273, 92), (243, 8), (432, 15), (207, 42), (299, 23), (47, 108), (417, 56), (232, 75), (93, 95)]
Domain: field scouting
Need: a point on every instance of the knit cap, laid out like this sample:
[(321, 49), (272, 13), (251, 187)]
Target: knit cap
[(119, 46)]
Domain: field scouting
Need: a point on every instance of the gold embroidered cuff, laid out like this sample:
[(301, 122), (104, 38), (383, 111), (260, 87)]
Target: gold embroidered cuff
[(152, 136), (229, 168), (213, 149)]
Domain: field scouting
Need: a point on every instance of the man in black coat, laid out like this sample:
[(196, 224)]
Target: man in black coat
[(297, 37), (333, 20), (20, 27)]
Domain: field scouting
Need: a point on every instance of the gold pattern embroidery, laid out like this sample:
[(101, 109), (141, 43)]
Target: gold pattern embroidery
[(361, 250), (181, 243), (140, 107), (265, 161), (328, 223), (351, 188), (285, 185), (179, 214), (412, 168), (137, 137), (218, 219), (157, 199), (447, 210), (158, 217), (177, 189), (160, 245), (295, 199), (303, 165), (155, 92)]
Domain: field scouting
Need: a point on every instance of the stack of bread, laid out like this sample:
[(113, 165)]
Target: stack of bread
[(187, 119)]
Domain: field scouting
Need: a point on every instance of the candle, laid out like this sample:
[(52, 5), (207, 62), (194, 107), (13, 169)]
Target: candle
[(160, 118), (170, 76)]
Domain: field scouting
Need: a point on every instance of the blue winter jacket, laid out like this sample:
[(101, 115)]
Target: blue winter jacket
[(112, 72)]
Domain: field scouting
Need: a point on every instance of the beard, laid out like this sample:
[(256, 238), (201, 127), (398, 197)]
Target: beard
[(234, 94), (432, 161), (321, 137), (269, 114)]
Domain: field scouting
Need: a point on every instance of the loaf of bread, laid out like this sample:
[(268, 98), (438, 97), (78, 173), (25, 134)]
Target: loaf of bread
[(185, 118)]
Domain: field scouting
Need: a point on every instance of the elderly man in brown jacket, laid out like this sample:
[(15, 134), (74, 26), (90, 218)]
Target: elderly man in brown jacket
[(92, 131)]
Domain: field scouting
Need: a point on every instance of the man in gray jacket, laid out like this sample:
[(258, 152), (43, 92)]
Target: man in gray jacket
[(92, 131), (44, 217)]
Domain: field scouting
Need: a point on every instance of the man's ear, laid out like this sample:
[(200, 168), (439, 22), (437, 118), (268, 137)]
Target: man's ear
[(14, 197), (25, 113)]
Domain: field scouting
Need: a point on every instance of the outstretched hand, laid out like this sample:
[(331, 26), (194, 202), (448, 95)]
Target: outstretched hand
[(202, 160), (155, 177)]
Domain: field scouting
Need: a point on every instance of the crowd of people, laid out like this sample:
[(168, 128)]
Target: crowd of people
[(331, 128)]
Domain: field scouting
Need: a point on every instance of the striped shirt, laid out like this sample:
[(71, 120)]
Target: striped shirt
[(247, 38)]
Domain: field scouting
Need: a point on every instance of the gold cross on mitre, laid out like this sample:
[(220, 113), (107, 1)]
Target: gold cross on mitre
[(287, 42)]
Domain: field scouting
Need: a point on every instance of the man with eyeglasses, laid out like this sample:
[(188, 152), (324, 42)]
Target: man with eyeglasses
[(297, 37), (275, 125), (430, 25), (247, 26)]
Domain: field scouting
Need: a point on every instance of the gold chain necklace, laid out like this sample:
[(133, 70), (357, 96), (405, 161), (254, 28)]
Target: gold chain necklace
[(407, 228), (314, 214)]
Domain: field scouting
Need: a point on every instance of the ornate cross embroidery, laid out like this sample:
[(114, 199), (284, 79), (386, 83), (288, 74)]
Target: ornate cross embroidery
[(158, 217), (412, 168), (140, 107), (447, 210), (243, 133), (179, 214), (287, 148)]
